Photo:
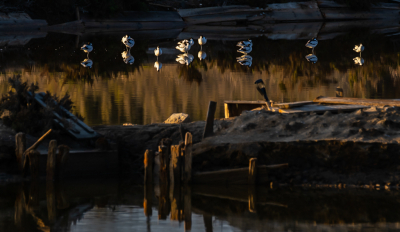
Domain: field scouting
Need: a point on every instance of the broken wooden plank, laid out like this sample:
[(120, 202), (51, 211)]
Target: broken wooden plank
[(237, 176), (139, 16), (322, 108), (358, 101), (289, 105)]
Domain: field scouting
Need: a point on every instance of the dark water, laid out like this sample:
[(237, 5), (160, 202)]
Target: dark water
[(112, 206), (113, 92)]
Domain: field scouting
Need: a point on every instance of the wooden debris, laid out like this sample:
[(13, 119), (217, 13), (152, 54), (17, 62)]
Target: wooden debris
[(358, 101), (235, 108), (209, 127)]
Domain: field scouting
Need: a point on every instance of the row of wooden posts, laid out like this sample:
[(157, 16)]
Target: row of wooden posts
[(30, 158)]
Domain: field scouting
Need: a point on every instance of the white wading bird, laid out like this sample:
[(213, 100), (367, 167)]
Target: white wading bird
[(87, 63), (185, 47), (245, 49), (245, 43), (359, 48), (158, 52), (202, 41), (158, 66), (312, 58), (185, 58), (87, 48), (127, 57), (202, 55), (358, 60), (128, 41)]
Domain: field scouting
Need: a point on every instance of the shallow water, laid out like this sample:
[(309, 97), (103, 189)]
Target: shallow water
[(112, 206), (112, 92)]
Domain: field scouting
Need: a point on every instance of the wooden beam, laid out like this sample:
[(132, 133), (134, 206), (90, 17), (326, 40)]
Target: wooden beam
[(209, 127), (358, 101)]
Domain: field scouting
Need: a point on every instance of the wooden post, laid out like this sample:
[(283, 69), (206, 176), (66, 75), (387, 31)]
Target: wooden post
[(187, 174), (252, 199), (62, 200), (188, 208), (175, 166), (51, 201), (148, 200), (51, 160), (164, 162), (77, 14), (148, 167), (34, 157), (62, 157), (20, 147), (339, 92), (226, 107), (209, 128), (253, 171), (208, 222)]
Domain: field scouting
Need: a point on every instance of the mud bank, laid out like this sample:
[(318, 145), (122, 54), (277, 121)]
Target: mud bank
[(360, 148)]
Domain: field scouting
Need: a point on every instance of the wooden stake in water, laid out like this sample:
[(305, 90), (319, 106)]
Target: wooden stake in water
[(253, 171)]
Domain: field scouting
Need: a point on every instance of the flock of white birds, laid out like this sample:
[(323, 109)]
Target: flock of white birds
[(312, 43), (185, 58)]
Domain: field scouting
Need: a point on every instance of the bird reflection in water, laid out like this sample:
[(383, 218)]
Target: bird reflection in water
[(358, 60), (312, 58), (87, 63), (245, 60), (185, 58), (127, 57), (158, 66), (202, 55)]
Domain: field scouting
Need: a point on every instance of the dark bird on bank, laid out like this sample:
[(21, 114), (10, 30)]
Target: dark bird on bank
[(261, 89)]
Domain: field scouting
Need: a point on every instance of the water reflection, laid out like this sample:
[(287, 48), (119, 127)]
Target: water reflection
[(202, 55), (158, 65), (185, 58), (358, 60), (105, 205), (87, 63), (245, 60), (312, 58), (127, 57)]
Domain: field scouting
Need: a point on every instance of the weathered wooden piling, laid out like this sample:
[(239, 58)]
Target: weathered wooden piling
[(163, 205), (208, 222), (188, 208), (164, 162), (176, 204), (62, 157), (34, 157), (51, 160), (209, 127), (175, 166), (148, 167), (62, 200), (187, 174), (20, 147), (51, 201), (148, 199), (339, 92), (253, 171)]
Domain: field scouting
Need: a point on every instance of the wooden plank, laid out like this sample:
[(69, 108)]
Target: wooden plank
[(139, 16), (246, 102), (289, 105), (322, 108), (214, 10), (358, 101)]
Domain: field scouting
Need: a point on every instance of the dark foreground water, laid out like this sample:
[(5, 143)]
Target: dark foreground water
[(111, 206), (112, 92)]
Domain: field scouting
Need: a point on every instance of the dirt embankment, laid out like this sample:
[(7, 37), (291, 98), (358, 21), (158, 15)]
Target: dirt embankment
[(353, 148)]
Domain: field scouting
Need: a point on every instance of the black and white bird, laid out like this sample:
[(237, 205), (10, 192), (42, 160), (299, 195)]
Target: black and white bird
[(358, 60), (312, 43), (87, 63), (202, 55), (128, 41), (202, 40), (87, 48), (158, 52), (127, 57), (245, 49), (158, 66), (312, 58), (249, 42), (263, 92), (359, 48)]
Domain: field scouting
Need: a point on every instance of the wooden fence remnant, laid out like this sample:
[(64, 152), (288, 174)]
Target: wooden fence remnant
[(51, 161), (34, 157), (339, 92), (209, 127), (148, 167), (20, 147), (187, 173)]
